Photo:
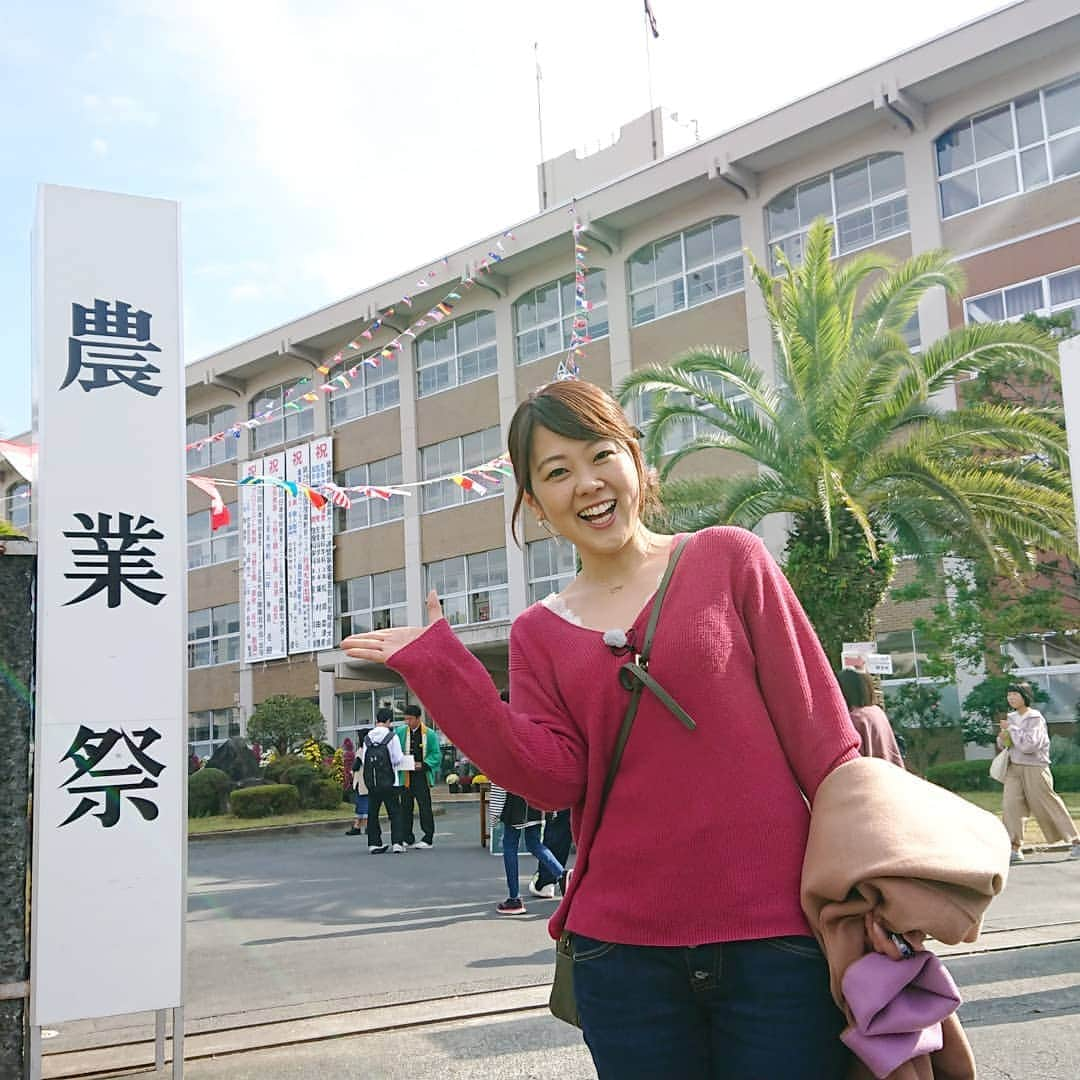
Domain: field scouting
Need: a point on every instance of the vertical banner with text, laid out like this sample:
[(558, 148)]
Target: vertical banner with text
[(322, 549), (298, 550), (110, 770), (274, 499), (251, 536)]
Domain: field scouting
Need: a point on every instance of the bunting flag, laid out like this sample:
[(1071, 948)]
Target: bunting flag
[(289, 485), (219, 512), (316, 500), (339, 497), (466, 484), (21, 456), (579, 326)]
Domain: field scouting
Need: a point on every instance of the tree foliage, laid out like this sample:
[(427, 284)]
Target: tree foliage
[(847, 434), (286, 722)]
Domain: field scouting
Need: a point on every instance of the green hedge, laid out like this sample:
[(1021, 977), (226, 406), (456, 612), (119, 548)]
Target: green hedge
[(276, 769), (975, 776), (265, 800), (305, 778), (207, 791), (327, 795)]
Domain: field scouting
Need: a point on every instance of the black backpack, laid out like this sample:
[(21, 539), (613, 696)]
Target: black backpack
[(379, 772)]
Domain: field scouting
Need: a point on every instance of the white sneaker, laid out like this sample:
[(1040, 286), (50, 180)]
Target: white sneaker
[(1016, 856), (545, 892), (1074, 851), (423, 845), (376, 849), (399, 849)]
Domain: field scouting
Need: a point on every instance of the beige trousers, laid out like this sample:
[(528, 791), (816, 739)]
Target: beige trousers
[(1029, 792)]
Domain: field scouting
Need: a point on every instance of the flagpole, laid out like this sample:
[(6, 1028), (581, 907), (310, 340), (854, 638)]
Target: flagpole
[(540, 127), (648, 26)]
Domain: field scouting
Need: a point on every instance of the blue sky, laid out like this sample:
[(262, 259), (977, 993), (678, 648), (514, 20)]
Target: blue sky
[(317, 148)]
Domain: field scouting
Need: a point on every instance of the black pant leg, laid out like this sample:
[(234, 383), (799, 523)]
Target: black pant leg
[(557, 840), (392, 797), (408, 799), (374, 829), (422, 793)]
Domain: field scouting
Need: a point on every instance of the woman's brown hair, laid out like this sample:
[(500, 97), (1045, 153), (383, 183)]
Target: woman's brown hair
[(575, 410)]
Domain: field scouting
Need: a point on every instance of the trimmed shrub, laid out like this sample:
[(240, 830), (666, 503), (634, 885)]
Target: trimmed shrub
[(207, 792), (265, 801), (304, 778), (1067, 778), (975, 776), (276, 768), (327, 795)]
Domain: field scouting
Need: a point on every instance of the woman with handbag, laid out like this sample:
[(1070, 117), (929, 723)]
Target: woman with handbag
[(1029, 784), (690, 952)]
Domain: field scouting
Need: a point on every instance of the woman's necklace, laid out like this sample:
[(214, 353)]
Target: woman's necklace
[(612, 589)]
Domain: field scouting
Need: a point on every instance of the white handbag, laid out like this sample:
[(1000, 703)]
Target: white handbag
[(1000, 766)]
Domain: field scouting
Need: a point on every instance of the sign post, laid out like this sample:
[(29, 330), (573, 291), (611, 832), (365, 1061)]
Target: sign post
[(110, 775)]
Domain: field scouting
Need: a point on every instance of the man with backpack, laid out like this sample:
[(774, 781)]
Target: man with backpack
[(382, 756)]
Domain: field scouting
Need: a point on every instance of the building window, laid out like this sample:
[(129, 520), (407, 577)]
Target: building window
[(1051, 295), (455, 353), (552, 566), (356, 711), (472, 588), (281, 427), (371, 602), (686, 269), (203, 426), (370, 509), (206, 548), (1020, 146), (17, 505), (208, 729), (214, 636), (374, 389), (543, 317), (864, 201), (453, 457), (680, 433)]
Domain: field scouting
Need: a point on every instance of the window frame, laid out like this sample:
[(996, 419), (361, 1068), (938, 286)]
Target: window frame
[(472, 591), (1015, 152), (213, 639), (695, 426), (17, 508), (367, 379), (459, 496), (563, 321), (683, 275), (780, 239), (551, 583), (284, 419), (214, 740), (396, 611), (214, 540), (455, 360), (215, 452), (1046, 309), (394, 508), (398, 696)]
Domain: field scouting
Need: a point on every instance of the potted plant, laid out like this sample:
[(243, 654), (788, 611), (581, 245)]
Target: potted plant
[(481, 782), (453, 782)]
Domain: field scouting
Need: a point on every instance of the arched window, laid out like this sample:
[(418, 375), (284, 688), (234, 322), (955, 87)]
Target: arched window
[(687, 269), (1015, 147), (543, 317), (18, 505), (456, 352), (866, 201)]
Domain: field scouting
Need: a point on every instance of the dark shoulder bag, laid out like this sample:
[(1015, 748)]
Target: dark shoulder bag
[(635, 677)]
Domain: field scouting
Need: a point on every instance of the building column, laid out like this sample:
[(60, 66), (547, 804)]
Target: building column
[(245, 695), (507, 380), (328, 705), (618, 297), (410, 473)]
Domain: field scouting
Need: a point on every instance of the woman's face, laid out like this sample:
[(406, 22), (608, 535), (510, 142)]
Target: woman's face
[(588, 491), (1015, 700)]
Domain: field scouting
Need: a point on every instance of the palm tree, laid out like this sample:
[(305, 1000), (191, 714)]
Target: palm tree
[(847, 435)]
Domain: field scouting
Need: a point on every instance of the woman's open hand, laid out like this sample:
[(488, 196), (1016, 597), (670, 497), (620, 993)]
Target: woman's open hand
[(880, 941), (377, 646)]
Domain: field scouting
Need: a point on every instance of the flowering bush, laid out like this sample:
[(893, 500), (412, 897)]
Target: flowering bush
[(453, 778), (480, 778), (268, 757), (313, 752), (337, 767), (348, 756)]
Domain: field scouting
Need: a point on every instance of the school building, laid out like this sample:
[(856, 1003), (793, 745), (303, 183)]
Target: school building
[(969, 142)]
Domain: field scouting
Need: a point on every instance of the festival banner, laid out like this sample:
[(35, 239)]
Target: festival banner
[(251, 534), (110, 743), (274, 497), (322, 548), (298, 550)]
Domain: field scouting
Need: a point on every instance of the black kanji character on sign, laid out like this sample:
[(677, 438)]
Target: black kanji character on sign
[(115, 560), (88, 751), (111, 362)]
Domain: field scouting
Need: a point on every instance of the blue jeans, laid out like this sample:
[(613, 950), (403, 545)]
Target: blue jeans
[(746, 1010), (544, 857)]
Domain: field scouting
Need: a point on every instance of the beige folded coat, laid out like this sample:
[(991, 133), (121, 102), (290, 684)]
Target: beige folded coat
[(919, 857)]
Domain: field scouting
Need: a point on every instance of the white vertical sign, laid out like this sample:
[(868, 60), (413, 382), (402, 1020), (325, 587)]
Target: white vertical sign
[(298, 550), (274, 498), (251, 517), (111, 713), (322, 549)]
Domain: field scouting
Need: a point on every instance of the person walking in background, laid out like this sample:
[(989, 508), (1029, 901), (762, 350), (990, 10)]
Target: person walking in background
[(875, 731), (1029, 784), (519, 820), (417, 739), (381, 757), (359, 790), (557, 839)]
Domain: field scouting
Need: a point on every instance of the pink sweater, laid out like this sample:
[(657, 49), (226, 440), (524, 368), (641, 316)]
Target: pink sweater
[(703, 836)]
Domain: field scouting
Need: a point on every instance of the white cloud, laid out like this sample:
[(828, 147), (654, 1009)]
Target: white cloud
[(119, 110), (99, 147)]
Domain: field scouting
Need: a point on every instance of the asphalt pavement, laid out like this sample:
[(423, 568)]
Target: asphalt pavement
[(313, 939)]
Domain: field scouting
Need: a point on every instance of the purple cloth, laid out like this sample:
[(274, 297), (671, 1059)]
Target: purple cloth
[(898, 1006)]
